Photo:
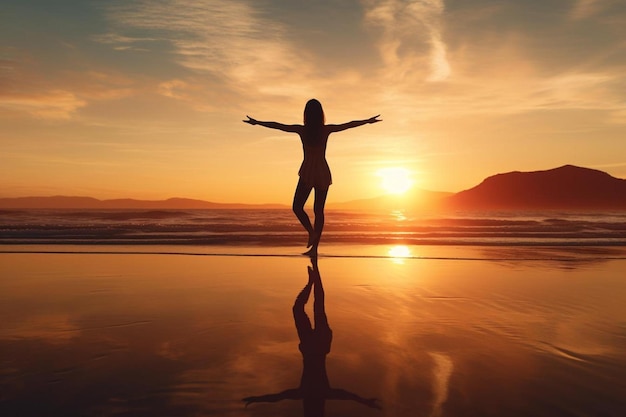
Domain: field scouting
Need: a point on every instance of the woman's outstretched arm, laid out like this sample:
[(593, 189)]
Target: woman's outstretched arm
[(354, 123), (273, 125)]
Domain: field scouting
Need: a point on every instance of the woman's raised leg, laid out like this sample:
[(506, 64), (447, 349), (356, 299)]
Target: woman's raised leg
[(299, 199)]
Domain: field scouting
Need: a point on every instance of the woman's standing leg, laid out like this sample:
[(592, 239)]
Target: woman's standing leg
[(299, 199), (318, 209)]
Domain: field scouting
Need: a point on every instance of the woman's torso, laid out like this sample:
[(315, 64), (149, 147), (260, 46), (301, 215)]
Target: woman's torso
[(314, 169)]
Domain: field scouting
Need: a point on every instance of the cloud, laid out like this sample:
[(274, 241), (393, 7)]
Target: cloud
[(584, 9), (123, 43), (173, 88), (191, 93), (411, 37), (230, 41), (26, 90), (440, 68), (429, 58), (52, 105), (488, 71), (21, 90)]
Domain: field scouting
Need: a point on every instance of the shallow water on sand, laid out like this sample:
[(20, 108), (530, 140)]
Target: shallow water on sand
[(485, 334)]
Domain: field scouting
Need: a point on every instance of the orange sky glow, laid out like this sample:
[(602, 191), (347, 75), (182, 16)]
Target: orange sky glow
[(144, 99)]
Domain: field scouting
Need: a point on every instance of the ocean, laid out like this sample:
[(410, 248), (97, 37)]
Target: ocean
[(280, 227)]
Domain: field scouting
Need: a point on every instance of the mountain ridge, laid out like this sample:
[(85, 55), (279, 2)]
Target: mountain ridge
[(82, 202), (565, 187)]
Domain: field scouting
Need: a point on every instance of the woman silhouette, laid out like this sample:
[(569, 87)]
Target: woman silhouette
[(314, 172)]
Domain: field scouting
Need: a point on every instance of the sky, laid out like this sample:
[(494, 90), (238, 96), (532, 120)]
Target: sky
[(145, 99)]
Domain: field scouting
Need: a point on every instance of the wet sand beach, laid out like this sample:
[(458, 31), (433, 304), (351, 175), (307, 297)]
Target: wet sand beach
[(426, 332)]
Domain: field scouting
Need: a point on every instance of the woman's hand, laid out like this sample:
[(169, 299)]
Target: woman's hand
[(251, 121), (374, 119)]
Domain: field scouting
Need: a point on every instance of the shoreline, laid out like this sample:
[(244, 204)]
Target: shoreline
[(398, 252)]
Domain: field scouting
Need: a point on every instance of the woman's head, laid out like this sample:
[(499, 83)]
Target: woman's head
[(313, 113)]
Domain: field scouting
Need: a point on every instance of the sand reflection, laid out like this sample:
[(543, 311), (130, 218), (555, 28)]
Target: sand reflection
[(441, 378), (315, 344)]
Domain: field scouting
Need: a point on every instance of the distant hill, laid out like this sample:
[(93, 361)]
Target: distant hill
[(412, 200), (566, 187), (65, 202), (416, 199)]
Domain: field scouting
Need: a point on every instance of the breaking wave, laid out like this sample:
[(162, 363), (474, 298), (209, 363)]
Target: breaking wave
[(279, 227)]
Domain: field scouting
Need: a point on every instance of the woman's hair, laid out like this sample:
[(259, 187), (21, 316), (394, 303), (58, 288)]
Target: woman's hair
[(313, 114), (313, 122)]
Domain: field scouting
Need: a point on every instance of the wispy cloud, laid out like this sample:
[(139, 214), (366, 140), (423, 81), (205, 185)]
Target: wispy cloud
[(566, 91), (440, 67), (584, 9), (26, 90), (411, 37), (235, 52), (56, 104), (481, 69), (21, 91), (173, 88), (230, 41), (123, 43)]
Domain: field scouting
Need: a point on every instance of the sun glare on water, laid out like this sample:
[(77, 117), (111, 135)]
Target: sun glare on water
[(399, 253), (395, 180)]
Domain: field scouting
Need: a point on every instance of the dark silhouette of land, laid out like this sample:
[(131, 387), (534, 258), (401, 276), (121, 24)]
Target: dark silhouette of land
[(566, 187), (67, 202)]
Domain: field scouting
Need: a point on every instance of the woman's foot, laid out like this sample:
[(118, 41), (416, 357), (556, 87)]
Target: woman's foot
[(311, 252), (312, 239)]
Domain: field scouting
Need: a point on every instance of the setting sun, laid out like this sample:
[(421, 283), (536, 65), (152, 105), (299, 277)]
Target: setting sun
[(395, 180)]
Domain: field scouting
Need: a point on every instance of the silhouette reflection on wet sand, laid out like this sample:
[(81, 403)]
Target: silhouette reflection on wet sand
[(315, 343)]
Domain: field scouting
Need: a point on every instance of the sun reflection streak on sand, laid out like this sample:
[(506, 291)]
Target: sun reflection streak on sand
[(441, 376)]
